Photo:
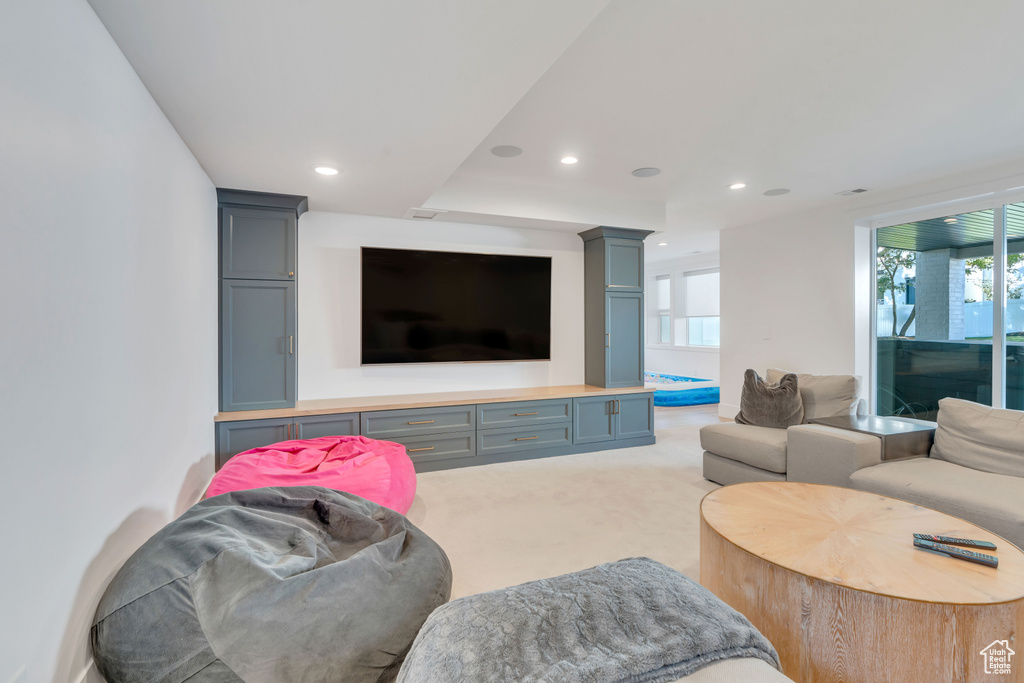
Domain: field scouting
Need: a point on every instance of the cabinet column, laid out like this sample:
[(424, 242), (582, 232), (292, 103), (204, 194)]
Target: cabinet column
[(613, 274), (258, 301)]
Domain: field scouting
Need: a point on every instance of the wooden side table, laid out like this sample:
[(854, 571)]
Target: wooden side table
[(831, 577), (901, 438)]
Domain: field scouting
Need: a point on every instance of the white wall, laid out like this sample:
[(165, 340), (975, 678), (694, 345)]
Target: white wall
[(687, 361), (329, 306), (788, 298), (109, 328)]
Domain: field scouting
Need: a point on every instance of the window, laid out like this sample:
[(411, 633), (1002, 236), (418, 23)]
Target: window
[(949, 312), (683, 309), (663, 297), (702, 308)]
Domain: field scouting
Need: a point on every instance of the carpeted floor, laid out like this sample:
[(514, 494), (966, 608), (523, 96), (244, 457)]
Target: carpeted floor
[(505, 524)]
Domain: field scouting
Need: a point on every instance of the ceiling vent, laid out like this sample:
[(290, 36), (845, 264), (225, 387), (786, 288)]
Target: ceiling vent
[(424, 214), (859, 190)]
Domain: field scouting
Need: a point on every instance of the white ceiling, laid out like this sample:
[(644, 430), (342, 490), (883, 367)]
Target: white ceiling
[(408, 98)]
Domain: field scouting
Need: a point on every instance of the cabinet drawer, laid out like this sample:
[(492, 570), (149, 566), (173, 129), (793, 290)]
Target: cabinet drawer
[(494, 415), (513, 439), (429, 447), (385, 424), (316, 426)]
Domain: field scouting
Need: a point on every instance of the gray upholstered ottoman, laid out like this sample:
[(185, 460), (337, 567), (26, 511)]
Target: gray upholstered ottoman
[(274, 584)]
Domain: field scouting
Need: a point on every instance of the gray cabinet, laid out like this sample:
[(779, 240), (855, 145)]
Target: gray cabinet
[(523, 427), (257, 244), (446, 436), (624, 351), (634, 415), (315, 426), (257, 345), (258, 299), (428, 434), (234, 437), (593, 419), (624, 263), (613, 418), (613, 279)]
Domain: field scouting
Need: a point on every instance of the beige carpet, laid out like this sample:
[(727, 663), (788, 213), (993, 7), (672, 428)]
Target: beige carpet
[(505, 524)]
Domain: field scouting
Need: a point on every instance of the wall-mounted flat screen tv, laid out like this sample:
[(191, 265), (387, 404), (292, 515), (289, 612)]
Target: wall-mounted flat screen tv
[(439, 306)]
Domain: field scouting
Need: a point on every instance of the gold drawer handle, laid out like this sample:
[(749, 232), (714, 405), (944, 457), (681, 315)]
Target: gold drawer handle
[(413, 450), (422, 422), (522, 414), (525, 438)]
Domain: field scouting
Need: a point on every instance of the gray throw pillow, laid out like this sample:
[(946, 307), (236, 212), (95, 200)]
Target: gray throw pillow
[(770, 405)]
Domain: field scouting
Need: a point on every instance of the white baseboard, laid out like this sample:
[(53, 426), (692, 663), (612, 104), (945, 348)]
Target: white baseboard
[(727, 411)]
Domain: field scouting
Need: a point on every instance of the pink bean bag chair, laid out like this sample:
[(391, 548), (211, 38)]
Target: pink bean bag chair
[(379, 471)]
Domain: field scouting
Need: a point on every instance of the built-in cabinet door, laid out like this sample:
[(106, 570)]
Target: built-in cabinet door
[(235, 437), (257, 354), (624, 359), (594, 420), (624, 264), (257, 244), (316, 426), (635, 413)]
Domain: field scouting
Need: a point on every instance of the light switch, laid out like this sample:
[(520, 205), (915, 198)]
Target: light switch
[(766, 332)]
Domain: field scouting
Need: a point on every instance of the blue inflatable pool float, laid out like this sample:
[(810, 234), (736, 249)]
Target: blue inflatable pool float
[(686, 397), (681, 397)]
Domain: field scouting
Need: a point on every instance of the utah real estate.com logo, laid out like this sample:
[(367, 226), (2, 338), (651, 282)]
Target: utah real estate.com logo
[(997, 657)]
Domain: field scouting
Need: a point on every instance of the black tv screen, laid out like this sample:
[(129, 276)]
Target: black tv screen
[(439, 306)]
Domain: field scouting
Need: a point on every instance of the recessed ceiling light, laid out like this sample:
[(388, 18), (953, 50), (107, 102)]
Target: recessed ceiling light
[(737, 186), (646, 172), (569, 160), (776, 192), (951, 220), (326, 170), (506, 151), (662, 244)]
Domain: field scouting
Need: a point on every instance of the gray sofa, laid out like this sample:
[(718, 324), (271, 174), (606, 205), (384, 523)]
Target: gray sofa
[(735, 453), (975, 469)]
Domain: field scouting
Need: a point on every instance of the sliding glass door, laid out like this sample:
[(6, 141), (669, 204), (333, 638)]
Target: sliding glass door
[(950, 300), (1013, 320), (934, 313)]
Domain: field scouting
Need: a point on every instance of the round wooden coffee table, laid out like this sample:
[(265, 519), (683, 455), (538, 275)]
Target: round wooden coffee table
[(831, 577)]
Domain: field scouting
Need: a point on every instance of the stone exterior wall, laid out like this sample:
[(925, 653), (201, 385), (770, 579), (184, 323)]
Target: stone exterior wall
[(939, 283)]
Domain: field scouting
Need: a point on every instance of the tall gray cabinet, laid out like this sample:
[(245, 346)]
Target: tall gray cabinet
[(258, 245), (613, 281)]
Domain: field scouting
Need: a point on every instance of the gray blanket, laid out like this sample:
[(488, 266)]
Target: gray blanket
[(634, 620)]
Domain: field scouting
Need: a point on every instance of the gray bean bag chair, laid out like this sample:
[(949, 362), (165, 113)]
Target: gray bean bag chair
[(274, 584)]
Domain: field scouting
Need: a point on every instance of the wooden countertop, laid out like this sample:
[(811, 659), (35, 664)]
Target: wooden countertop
[(329, 406), (861, 541)]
